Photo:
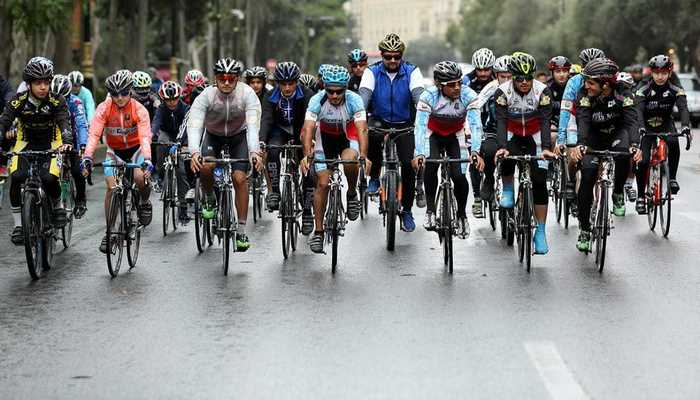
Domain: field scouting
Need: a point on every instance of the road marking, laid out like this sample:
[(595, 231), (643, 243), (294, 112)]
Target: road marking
[(558, 380)]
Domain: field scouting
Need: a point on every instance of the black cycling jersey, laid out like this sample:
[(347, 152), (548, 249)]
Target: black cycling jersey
[(607, 119), (557, 94), (354, 83), (280, 112), (654, 105), (38, 119), (476, 84), (151, 102), (169, 121)]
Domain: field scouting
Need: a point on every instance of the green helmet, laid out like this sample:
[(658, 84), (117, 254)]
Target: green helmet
[(141, 80), (522, 64)]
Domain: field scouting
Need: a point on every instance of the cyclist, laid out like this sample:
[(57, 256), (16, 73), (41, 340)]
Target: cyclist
[(637, 72), (143, 94), (230, 113), (43, 124), (440, 118), (606, 120), (655, 101), (282, 120), (523, 114), (309, 81), (319, 79), (559, 67), (6, 94), (61, 86), (193, 78), (488, 145), (255, 78), (166, 128), (337, 122), (83, 93), (127, 129), (357, 61), (390, 89)]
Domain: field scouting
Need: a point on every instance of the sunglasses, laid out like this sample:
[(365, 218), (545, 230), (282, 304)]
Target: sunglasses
[(123, 93), (335, 92), (389, 57), (357, 65), (521, 79), (453, 84), (227, 78)]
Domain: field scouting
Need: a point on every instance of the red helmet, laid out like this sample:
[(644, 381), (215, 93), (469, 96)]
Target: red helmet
[(170, 90), (194, 77), (559, 62)]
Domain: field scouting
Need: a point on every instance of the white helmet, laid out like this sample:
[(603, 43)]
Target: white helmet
[(483, 58), (501, 64), (76, 78), (625, 78)]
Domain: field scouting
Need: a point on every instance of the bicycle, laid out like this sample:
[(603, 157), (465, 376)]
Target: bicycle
[(505, 215), (601, 219), (334, 220), (123, 227), (291, 197), (202, 226), (658, 194), (390, 189), (257, 182), (226, 224), (67, 199), (446, 207), (168, 194)]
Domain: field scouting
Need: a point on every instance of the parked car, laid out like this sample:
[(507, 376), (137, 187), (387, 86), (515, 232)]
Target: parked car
[(691, 84)]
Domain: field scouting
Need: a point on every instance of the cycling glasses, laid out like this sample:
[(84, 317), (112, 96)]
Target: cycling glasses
[(336, 92), (227, 78), (523, 78), (355, 65), (123, 93), (389, 57), (453, 84)]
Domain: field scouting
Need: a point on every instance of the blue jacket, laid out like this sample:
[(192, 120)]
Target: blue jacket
[(392, 101), (567, 105), (85, 96), (78, 120)]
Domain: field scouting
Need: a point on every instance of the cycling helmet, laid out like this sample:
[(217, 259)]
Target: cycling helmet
[(60, 84), (287, 71), (483, 58), (308, 80), (119, 81), (522, 64), (76, 78), (356, 56), (586, 55), (559, 62), (228, 65), (625, 78), (323, 67), (194, 77), (37, 68), (392, 42), (170, 90), (661, 62), (575, 69), (602, 70), (446, 71), (141, 80), (501, 64), (336, 75), (255, 72)]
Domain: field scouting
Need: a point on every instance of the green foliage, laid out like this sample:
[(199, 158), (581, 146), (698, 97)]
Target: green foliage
[(36, 17)]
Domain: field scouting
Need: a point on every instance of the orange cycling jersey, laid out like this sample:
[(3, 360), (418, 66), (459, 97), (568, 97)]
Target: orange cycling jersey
[(124, 128)]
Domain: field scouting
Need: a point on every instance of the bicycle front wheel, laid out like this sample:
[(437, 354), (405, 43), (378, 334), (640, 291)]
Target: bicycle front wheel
[(165, 194), (602, 228), (132, 228), (68, 203), (286, 209), (333, 199), (528, 226), (225, 224), (652, 197), (391, 210), (447, 221), (115, 233), (33, 241), (664, 205)]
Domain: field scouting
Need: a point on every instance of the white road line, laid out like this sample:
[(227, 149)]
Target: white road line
[(558, 380)]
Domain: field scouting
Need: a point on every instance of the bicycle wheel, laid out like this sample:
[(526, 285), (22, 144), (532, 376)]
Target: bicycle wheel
[(528, 226), (225, 227), (334, 227), (520, 215), (173, 199), (200, 233), (391, 210), (652, 196), (31, 229), (133, 230), (602, 228), (165, 195), (493, 214), (285, 210), (68, 204), (664, 205), (447, 220), (115, 233), (560, 189), (254, 193)]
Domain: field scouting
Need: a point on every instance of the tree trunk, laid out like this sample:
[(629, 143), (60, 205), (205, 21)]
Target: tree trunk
[(63, 53), (6, 34), (111, 35), (181, 35), (211, 44), (142, 22), (252, 22)]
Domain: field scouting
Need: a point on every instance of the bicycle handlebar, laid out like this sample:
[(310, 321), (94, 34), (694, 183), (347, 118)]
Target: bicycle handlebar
[(447, 160), (393, 133), (688, 139), (169, 144), (119, 165), (283, 146), (606, 153)]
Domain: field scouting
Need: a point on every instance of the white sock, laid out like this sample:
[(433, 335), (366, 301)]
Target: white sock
[(241, 228), (17, 216)]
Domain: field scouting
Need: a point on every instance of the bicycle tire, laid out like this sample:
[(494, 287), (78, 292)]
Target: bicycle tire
[(173, 200), (115, 233), (447, 229), (31, 229), (254, 193), (284, 214), (333, 219), (391, 210), (225, 227), (492, 214), (651, 197), (519, 226), (603, 220), (69, 205), (665, 201), (132, 232), (560, 192), (200, 233), (165, 194), (529, 206)]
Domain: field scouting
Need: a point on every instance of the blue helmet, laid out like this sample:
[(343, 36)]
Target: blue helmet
[(336, 75), (356, 56), (322, 68)]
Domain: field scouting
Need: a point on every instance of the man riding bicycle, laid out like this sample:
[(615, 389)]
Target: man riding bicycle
[(390, 89), (255, 78), (441, 115), (357, 62), (127, 129), (337, 121), (43, 124), (523, 114), (226, 116), (606, 120), (655, 100)]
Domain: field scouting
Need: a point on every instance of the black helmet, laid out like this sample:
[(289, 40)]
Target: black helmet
[(559, 62), (255, 72), (37, 68), (603, 70), (586, 55), (308, 80), (60, 85), (287, 71), (228, 65), (522, 64), (119, 81), (661, 61), (446, 71)]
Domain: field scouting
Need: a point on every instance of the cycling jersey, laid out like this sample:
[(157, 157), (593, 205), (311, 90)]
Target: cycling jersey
[(124, 127), (486, 104), (523, 115), (476, 84), (336, 120), (566, 131), (610, 120), (85, 96), (390, 96), (79, 123), (284, 113), (654, 106), (557, 94), (169, 121), (439, 115), (151, 102), (41, 123), (354, 83), (225, 115)]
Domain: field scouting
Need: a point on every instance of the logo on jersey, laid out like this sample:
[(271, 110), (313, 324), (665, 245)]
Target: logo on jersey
[(628, 101), (422, 106), (501, 100), (545, 100), (584, 102)]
